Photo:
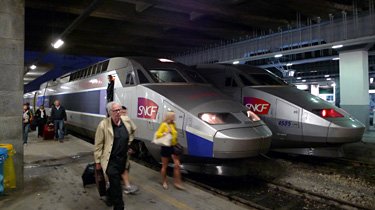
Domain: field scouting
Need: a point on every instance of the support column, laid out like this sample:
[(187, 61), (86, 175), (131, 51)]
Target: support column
[(11, 79), (354, 84)]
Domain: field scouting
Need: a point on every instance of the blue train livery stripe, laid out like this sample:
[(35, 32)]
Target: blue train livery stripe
[(198, 146)]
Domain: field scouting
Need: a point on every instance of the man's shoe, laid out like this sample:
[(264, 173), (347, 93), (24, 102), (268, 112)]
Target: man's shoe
[(130, 189)]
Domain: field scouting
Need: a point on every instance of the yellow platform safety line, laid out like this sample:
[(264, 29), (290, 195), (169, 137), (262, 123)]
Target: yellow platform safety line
[(167, 198)]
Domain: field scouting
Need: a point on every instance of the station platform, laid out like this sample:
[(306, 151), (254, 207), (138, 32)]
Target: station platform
[(363, 150), (53, 181)]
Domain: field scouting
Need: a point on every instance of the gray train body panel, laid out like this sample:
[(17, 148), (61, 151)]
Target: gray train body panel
[(147, 103), (289, 112)]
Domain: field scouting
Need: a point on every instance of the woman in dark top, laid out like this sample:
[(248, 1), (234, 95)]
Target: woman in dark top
[(41, 118)]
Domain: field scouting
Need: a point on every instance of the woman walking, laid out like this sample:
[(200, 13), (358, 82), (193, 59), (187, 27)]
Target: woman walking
[(169, 126)]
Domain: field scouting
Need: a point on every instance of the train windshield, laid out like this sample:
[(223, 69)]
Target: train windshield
[(167, 75), (261, 79)]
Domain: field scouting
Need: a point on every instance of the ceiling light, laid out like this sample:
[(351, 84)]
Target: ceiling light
[(278, 55), (33, 67), (336, 59), (333, 85), (327, 75), (58, 43), (302, 87), (289, 64), (165, 60), (371, 80), (303, 80), (299, 77), (337, 46), (329, 78), (291, 73), (236, 62)]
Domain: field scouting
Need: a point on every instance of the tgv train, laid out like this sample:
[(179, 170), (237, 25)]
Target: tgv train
[(301, 123), (212, 127)]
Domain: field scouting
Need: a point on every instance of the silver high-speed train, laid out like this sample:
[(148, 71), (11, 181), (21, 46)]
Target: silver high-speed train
[(301, 123), (212, 127)]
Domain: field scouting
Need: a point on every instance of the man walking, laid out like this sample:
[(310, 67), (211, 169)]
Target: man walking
[(111, 147), (58, 115)]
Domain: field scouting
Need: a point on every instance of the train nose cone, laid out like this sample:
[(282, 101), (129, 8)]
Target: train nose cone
[(242, 142), (345, 131)]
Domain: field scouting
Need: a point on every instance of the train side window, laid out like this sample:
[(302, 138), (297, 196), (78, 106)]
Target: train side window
[(129, 79), (230, 82), (142, 77), (105, 65)]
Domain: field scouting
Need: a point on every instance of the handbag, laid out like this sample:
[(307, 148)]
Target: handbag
[(165, 140), (178, 149)]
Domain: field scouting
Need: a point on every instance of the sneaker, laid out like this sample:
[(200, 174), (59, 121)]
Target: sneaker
[(130, 189)]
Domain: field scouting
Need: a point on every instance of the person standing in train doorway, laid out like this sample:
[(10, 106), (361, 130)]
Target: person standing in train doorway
[(128, 188), (110, 88), (111, 147), (58, 116)]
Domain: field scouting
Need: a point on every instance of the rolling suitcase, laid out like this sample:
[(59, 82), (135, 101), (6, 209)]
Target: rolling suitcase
[(49, 132), (88, 176)]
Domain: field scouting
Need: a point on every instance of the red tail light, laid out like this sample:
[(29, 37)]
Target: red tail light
[(326, 113)]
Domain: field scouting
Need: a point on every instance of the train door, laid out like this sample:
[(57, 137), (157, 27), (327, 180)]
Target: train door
[(180, 117), (288, 121)]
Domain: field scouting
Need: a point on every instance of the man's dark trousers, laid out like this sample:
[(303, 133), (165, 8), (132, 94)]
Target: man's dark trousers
[(115, 168)]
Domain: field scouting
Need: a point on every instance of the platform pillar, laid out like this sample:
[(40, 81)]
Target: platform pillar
[(11, 79), (354, 84)]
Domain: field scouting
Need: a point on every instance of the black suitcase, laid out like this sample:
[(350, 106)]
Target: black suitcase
[(88, 176)]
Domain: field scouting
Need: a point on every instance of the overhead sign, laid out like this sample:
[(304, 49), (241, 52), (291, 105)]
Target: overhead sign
[(257, 105), (147, 108)]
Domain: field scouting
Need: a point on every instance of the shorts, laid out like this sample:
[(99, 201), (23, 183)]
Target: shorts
[(166, 151)]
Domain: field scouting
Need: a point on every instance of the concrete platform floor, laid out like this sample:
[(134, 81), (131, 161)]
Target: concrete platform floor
[(53, 181)]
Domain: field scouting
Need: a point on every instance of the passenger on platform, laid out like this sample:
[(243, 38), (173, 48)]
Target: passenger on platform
[(110, 88), (169, 126), (111, 148), (41, 118), (58, 116), (26, 118), (128, 188)]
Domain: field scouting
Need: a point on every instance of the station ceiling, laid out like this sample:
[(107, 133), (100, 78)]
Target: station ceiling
[(166, 27)]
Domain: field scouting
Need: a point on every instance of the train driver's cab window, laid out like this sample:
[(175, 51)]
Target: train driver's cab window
[(230, 80), (142, 77), (130, 78), (261, 79), (167, 75), (195, 77)]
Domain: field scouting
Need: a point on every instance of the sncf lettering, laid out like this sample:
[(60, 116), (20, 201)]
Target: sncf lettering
[(147, 108), (257, 108), (147, 111), (257, 105)]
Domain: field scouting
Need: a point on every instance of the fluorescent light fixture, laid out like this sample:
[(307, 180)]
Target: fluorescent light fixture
[(313, 71), (327, 75), (291, 73), (337, 46), (371, 80), (299, 77), (303, 80), (165, 60), (302, 87), (236, 62), (336, 59), (58, 43), (33, 67), (278, 55), (329, 79), (289, 64)]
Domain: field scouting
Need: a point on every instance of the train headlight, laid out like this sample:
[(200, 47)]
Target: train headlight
[(252, 116), (218, 118), (327, 113)]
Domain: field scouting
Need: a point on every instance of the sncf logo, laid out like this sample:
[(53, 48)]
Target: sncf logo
[(147, 108), (257, 105)]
